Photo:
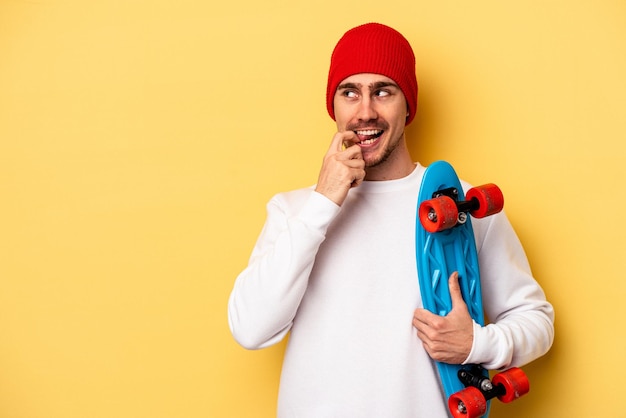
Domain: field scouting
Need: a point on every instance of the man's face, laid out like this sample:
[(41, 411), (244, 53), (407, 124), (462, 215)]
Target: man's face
[(374, 107)]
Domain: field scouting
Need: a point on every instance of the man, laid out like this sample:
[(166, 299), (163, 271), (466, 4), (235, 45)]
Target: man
[(335, 263)]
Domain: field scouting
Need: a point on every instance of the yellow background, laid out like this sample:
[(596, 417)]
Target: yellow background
[(140, 141)]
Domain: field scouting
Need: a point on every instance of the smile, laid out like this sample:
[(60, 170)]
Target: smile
[(368, 136)]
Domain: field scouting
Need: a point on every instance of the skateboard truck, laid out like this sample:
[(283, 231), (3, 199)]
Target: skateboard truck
[(472, 401), (463, 206), (475, 378), (445, 209)]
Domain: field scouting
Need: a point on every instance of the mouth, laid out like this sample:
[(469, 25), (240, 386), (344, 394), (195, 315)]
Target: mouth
[(368, 136)]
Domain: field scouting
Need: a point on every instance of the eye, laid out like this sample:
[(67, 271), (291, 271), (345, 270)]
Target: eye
[(382, 93), (351, 94)]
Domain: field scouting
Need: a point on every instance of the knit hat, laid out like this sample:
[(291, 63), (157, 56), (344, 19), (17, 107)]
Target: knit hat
[(378, 49)]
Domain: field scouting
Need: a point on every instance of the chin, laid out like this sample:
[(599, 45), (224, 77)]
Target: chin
[(378, 158), (371, 163)]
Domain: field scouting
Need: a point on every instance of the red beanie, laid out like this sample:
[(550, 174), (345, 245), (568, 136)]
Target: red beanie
[(378, 49)]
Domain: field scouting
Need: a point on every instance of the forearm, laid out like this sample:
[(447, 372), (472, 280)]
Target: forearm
[(267, 294), (514, 341), (522, 320)]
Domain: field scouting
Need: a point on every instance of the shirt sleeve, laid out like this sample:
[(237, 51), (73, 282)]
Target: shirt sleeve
[(267, 294), (521, 326)]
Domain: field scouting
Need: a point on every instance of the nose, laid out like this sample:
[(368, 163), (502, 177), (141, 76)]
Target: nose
[(367, 110)]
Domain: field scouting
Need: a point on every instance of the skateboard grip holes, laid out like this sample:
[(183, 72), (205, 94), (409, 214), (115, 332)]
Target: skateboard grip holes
[(438, 214)]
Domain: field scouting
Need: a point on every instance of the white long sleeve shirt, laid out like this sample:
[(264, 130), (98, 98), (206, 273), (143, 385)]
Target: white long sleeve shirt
[(344, 281)]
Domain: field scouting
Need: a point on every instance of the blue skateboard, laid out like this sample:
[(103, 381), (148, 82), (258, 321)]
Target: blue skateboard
[(444, 242)]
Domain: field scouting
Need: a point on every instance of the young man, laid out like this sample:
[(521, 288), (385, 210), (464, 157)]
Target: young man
[(335, 263)]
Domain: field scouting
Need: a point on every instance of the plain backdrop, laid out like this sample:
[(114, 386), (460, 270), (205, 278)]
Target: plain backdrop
[(140, 141)]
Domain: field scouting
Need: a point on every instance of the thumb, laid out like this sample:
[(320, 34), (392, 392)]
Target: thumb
[(455, 291)]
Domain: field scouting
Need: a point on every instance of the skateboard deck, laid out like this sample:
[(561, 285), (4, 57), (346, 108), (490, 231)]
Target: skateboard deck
[(444, 244)]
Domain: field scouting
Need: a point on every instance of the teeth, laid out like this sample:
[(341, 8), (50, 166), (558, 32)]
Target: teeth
[(368, 132), (371, 135)]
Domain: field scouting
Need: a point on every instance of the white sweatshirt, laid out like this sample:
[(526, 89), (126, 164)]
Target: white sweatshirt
[(344, 281)]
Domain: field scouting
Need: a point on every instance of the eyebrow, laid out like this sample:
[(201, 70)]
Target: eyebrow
[(373, 86)]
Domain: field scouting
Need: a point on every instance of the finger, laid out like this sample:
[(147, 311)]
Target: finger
[(350, 139), (354, 162), (423, 330), (455, 290), (358, 176), (357, 182), (339, 140), (352, 156), (422, 318), (336, 144), (419, 327)]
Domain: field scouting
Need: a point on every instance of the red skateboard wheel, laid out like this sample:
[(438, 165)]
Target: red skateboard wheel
[(468, 403), (438, 214), (515, 383), (490, 200)]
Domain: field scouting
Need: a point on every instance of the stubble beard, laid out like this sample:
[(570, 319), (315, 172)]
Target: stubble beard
[(384, 157)]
